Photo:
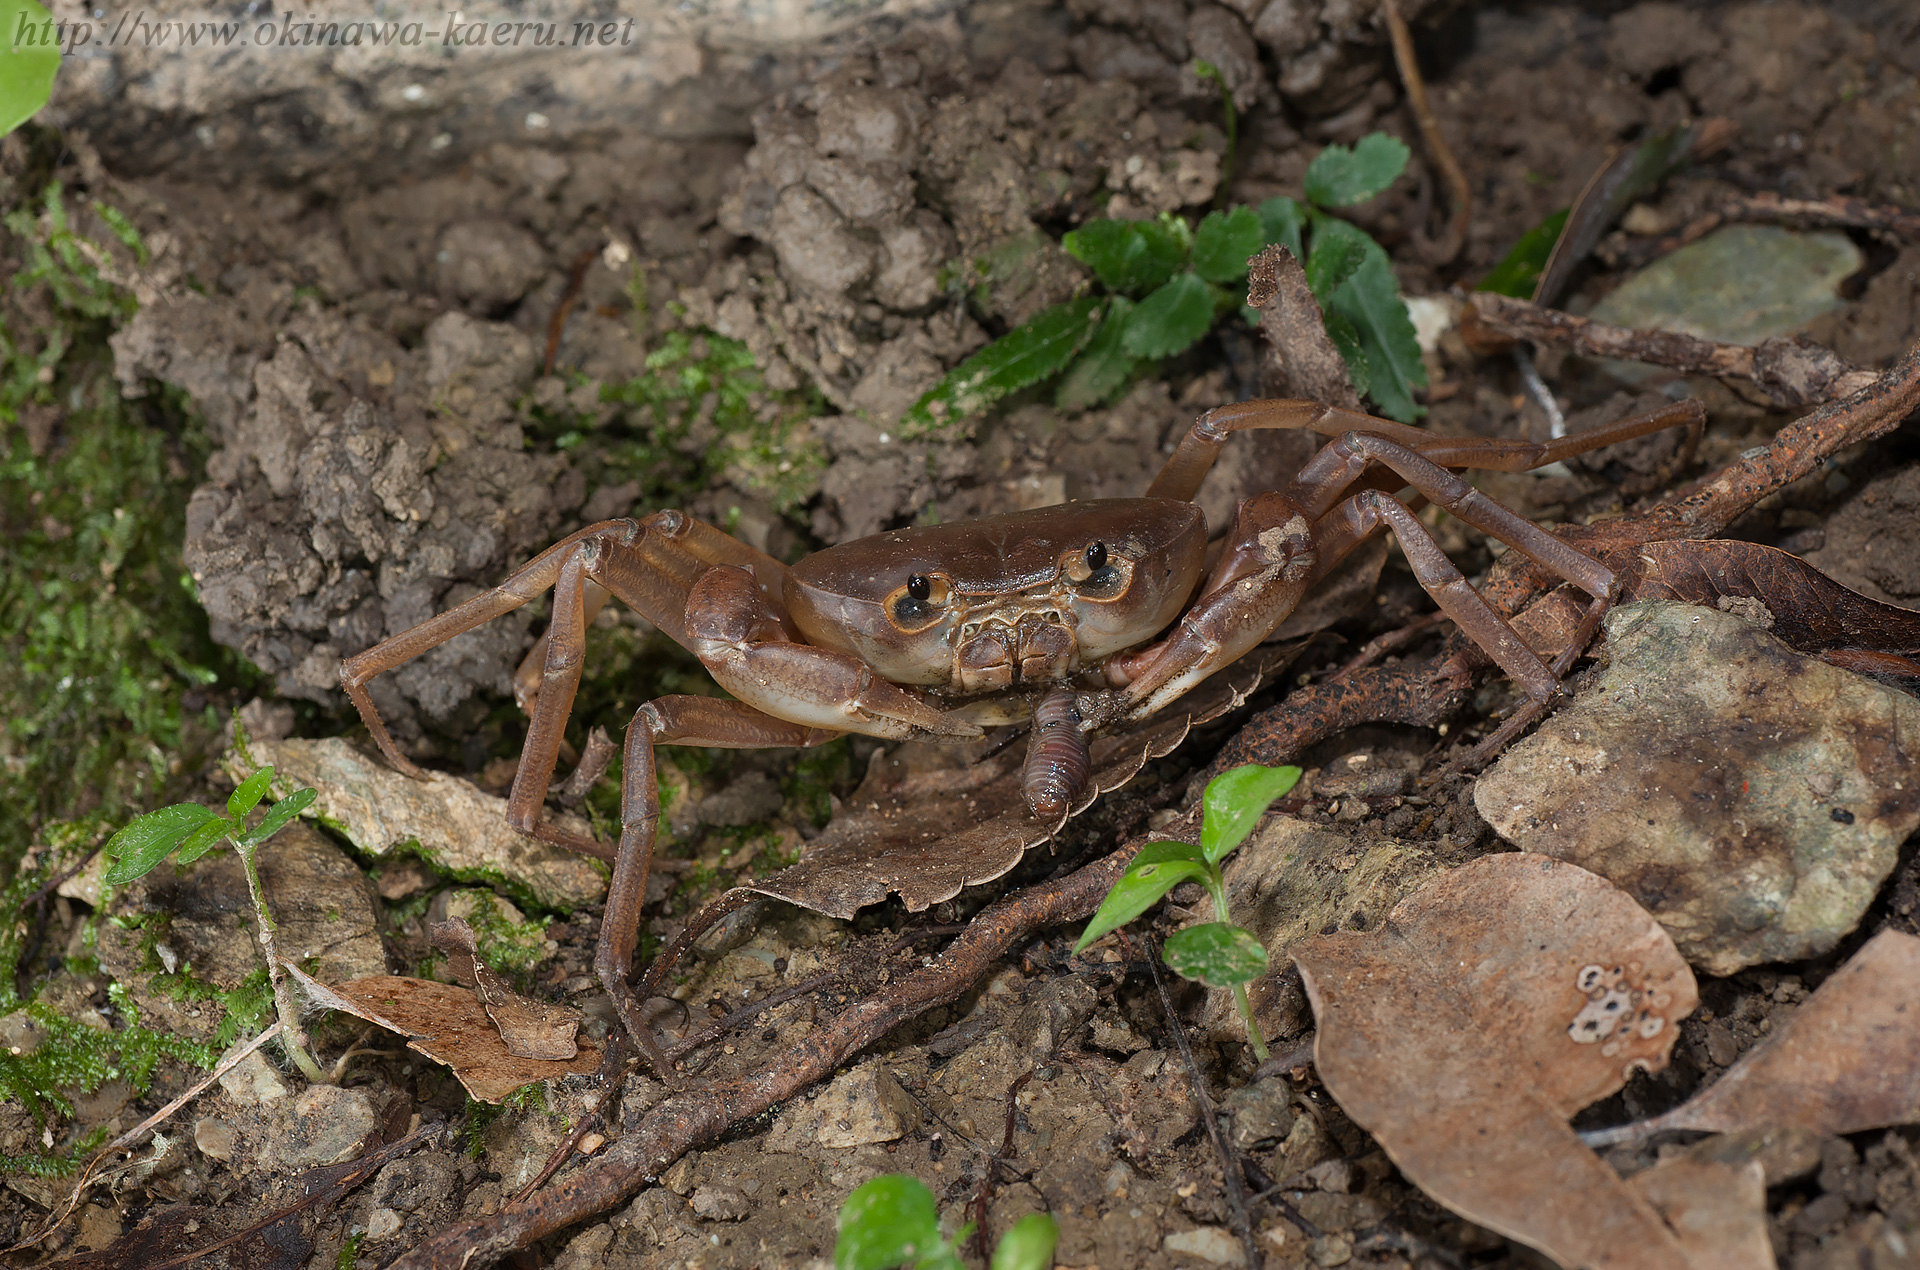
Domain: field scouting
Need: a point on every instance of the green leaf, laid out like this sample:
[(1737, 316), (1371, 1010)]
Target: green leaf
[(1028, 1246), (1283, 221), (1104, 367), (202, 840), (145, 842), (1158, 868), (1347, 341), (1218, 954), (1518, 274), (1170, 320), (1224, 241), (278, 815), (890, 1221), (1235, 801), (29, 57), (1021, 357), (1339, 177), (1370, 299), (1338, 250), (1131, 255), (251, 791)]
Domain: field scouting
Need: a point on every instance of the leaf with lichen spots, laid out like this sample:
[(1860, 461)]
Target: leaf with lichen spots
[(1020, 358), (1493, 1004)]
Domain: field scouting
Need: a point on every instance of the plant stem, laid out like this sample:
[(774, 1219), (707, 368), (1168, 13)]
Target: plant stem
[(291, 1038), (1217, 888)]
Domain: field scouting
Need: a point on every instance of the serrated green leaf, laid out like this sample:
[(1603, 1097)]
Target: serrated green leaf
[(1158, 868), (888, 1222), (251, 791), (1218, 954), (1519, 273), (1130, 255), (145, 842), (1339, 177), (1018, 359), (1104, 366), (1225, 241), (1283, 221), (202, 840), (1028, 1246), (1170, 320), (1234, 802), (29, 59), (1337, 251), (1370, 299), (277, 816)]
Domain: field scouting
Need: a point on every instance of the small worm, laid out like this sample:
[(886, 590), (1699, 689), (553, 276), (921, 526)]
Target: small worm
[(1057, 763)]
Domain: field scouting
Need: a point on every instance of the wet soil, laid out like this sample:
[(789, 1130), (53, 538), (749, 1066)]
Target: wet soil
[(394, 430)]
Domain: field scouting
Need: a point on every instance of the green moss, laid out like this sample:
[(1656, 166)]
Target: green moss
[(508, 946), (815, 777), (101, 637), (701, 408), (349, 1252)]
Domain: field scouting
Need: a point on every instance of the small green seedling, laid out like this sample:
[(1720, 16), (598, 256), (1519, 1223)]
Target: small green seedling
[(1218, 953), (892, 1221), (1167, 283), (187, 831)]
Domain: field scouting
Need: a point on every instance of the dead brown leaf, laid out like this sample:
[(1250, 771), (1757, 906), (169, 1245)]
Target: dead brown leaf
[(1847, 1060), (1492, 1004), (927, 828), (1717, 1211), (528, 1028), (1800, 604), (449, 1025)]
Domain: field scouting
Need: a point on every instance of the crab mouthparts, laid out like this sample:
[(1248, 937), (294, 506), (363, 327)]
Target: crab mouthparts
[(995, 654)]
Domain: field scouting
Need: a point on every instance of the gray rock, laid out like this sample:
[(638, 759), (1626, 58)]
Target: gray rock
[(325, 1124), (215, 1138), (1262, 1112), (1751, 798), (717, 1202), (449, 821), (865, 1105)]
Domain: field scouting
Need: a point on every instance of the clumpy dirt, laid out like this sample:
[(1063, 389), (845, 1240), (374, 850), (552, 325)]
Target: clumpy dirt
[(394, 429)]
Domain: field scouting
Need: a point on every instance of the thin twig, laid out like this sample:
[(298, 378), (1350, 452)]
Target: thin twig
[(1267, 1191), (721, 1027), (1838, 212), (1229, 1168), (1459, 194), (694, 1117), (612, 1059), (557, 324), (132, 1136), (994, 1161), (1793, 373)]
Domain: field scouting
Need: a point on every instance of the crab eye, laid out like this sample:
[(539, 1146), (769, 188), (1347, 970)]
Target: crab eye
[(1097, 574), (918, 604)]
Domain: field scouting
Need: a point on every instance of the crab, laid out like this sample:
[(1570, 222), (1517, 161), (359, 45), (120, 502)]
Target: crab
[(1076, 618)]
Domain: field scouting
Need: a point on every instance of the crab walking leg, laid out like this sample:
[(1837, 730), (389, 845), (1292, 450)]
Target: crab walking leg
[(679, 720), (526, 583), (679, 548), (1194, 456), (566, 650)]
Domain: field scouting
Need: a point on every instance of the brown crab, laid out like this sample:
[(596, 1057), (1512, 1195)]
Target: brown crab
[(1078, 617)]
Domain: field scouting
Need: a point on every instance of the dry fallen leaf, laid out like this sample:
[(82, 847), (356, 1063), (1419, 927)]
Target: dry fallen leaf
[(448, 1025), (1717, 1211), (1797, 602), (1493, 1004), (927, 829), (529, 1029), (1847, 1060)]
